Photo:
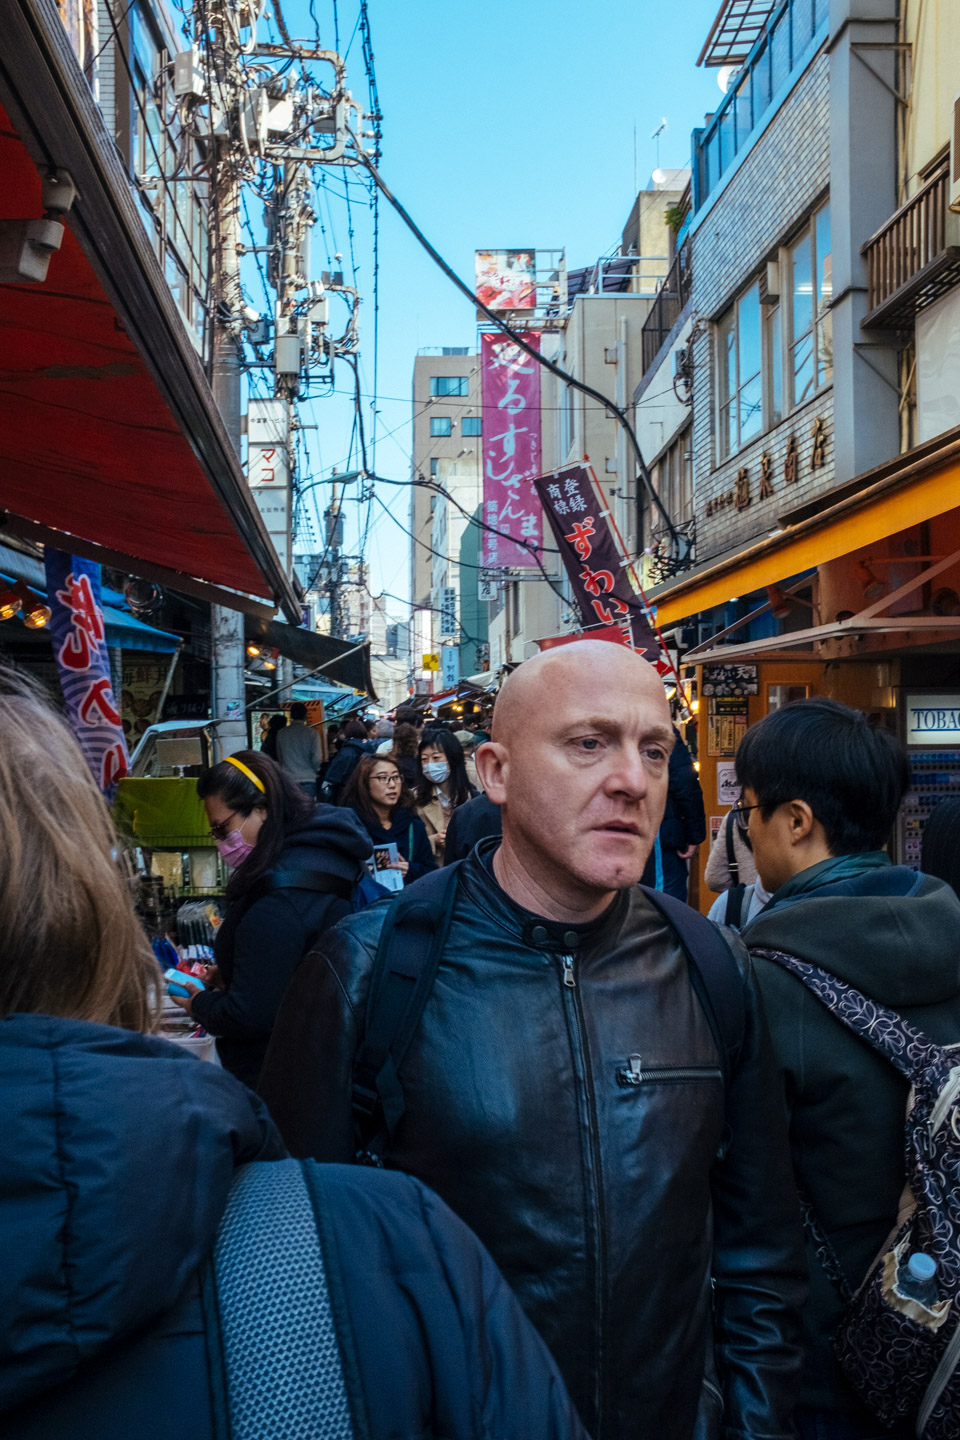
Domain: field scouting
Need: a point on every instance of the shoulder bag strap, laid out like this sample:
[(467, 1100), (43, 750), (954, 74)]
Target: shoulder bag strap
[(899, 1042), (715, 975), (411, 942), (307, 880)]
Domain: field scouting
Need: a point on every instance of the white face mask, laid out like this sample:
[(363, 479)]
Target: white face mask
[(436, 771)]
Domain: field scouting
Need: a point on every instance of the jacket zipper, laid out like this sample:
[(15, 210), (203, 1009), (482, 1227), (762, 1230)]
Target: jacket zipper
[(588, 1120), (635, 1073)]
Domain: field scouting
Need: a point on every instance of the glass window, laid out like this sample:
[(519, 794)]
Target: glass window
[(743, 107), (434, 467), (471, 425), (448, 384), (740, 387), (802, 26), (780, 52), (441, 425), (761, 83), (824, 297), (811, 335), (774, 344), (727, 139)]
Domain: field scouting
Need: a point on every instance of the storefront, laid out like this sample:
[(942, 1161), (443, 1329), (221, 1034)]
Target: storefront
[(859, 602)]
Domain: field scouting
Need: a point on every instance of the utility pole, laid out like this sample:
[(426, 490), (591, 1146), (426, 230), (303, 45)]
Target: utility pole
[(227, 642)]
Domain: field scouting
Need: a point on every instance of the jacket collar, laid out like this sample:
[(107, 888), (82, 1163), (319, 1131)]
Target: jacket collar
[(537, 932)]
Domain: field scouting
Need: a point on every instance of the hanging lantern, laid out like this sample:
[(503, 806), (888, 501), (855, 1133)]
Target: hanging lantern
[(253, 650), (37, 615), (10, 604)]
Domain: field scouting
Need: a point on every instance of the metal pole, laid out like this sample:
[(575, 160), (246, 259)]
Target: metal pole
[(226, 626)]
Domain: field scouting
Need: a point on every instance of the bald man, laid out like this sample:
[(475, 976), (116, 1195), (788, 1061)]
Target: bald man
[(563, 1088)]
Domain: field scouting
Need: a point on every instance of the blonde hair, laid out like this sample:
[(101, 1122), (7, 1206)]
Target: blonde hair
[(72, 944)]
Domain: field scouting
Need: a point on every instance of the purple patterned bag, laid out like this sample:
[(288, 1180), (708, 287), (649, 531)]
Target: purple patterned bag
[(902, 1355)]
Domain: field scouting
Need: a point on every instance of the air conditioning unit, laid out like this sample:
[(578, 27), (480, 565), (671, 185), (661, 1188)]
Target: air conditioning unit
[(955, 156)]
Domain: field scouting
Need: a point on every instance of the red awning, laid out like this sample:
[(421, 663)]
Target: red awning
[(108, 429)]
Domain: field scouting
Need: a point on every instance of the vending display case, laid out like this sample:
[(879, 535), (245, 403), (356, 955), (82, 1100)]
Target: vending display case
[(931, 728)]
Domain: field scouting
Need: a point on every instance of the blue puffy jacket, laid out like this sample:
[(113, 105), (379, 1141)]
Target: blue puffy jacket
[(117, 1153)]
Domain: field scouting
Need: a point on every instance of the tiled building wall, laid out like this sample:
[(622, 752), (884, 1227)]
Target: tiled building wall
[(764, 202)]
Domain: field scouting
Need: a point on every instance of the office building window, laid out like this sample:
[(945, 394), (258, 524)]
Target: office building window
[(448, 384), (434, 467), (441, 425), (673, 481), (740, 372), (811, 324), (471, 425)]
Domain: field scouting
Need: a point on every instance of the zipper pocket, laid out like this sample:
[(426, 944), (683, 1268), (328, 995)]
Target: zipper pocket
[(636, 1073)]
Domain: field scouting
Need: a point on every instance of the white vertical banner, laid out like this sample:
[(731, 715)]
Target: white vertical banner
[(268, 472)]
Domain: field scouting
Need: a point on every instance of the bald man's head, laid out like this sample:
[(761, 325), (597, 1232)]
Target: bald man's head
[(578, 762)]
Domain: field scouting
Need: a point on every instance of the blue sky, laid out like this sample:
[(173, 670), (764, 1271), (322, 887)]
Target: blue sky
[(505, 124)]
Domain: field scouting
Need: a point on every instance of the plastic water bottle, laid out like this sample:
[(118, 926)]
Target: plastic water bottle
[(918, 1279)]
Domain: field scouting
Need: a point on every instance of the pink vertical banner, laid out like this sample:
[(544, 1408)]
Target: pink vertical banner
[(510, 391)]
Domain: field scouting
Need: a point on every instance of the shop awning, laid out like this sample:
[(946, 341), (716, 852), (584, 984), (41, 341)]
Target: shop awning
[(904, 492), (342, 660), (110, 443)]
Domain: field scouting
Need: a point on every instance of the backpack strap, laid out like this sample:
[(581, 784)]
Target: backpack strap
[(714, 974), (404, 968), (907, 1048), (733, 914), (274, 1345), (733, 864), (308, 880)]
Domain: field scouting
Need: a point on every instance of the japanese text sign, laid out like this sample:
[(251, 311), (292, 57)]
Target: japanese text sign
[(83, 664), (510, 388), (603, 591), (506, 279)]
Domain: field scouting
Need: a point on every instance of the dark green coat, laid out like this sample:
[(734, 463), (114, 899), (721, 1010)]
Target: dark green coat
[(895, 935)]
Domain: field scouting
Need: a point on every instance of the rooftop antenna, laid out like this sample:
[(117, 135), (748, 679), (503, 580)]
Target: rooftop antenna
[(656, 136)]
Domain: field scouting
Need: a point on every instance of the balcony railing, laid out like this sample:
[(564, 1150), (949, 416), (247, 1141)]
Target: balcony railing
[(914, 258), (665, 311)]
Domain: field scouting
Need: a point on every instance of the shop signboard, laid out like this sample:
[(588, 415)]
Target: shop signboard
[(589, 552), (449, 666), (728, 787), (448, 612), (510, 389), (726, 724), (933, 720), (431, 660), (730, 680), (268, 471), (506, 279), (83, 664)]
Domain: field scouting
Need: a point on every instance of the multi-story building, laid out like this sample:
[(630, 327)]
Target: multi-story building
[(812, 352), (596, 336), (446, 426)]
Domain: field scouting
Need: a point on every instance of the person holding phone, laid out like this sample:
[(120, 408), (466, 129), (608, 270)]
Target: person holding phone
[(375, 793), (296, 865)]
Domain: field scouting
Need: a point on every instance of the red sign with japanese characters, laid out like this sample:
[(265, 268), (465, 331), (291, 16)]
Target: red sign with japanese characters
[(601, 585), (510, 390), (80, 649)]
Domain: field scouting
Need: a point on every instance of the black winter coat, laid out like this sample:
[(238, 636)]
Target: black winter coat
[(117, 1152), (342, 766), (892, 934), (476, 820), (684, 820), (266, 934), (603, 1201)]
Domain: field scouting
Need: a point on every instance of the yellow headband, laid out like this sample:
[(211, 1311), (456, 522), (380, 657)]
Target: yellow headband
[(245, 770)]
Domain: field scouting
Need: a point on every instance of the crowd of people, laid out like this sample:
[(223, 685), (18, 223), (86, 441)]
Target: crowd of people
[(625, 1166)]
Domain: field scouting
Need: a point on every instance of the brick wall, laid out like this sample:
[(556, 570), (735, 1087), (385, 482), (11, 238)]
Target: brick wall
[(764, 202)]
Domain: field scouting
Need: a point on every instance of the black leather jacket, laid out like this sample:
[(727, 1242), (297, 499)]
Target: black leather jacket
[(603, 1201)]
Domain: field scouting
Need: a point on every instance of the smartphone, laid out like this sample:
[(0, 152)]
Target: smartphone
[(180, 984)]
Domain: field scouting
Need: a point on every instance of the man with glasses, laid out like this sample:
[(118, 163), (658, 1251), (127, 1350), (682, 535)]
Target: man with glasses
[(821, 791)]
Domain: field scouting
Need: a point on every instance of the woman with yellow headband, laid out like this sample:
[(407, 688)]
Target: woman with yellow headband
[(295, 869)]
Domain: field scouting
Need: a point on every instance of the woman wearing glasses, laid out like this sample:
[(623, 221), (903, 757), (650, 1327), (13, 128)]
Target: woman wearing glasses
[(295, 869), (375, 793)]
